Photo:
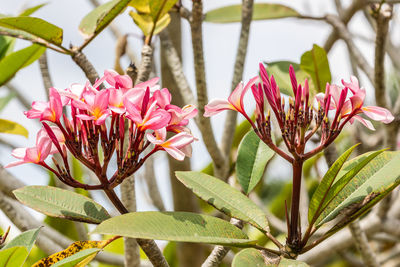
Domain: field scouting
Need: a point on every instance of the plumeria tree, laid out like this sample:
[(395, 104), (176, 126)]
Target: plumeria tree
[(99, 136)]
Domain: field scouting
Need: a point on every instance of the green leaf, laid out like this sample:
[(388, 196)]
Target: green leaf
[(10, 127), (224, 198), (32, 29), (315, 62), (31, 10), (77, 258), (291, 263), (61, 203), (319, 199), (6, 45), (261, 11), (253, 155), (99, 18), (249, 257), (160, 8), (374, 181), (25, 239), (13, 257), (280, 70), (145, 22), (174, 226), (5, 100), (15, 61)]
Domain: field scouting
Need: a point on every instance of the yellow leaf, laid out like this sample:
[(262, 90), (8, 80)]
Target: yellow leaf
[(142, 6), (11, 127), (71, 250), (145, 22)]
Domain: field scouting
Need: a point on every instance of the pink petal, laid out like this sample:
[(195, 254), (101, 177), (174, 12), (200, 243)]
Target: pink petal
[(152, 139), (216, 106), (16, 163), (163, 97), (378, 114), (19, 153), (180, 140), (365, 122)]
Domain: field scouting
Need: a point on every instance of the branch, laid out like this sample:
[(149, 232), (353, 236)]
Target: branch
[(128, 197), (345, 17), (44, 69), (344, 34), (231, 117), (202, 99), (81, 60), (219, 252), (145, 64), (150, 178), (362, 245)]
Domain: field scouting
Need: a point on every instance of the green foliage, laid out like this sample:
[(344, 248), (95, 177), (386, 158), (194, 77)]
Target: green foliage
[(224, 198), (6, 45), (25, 239), (99, 18), (10, 127), (315, 63), (82, 256), (31, 10), (280, 70), (15, 61), (61, 203), (319, 199), (32, 29), (253, 156), (261, 11), (249, 257), (174, 226)]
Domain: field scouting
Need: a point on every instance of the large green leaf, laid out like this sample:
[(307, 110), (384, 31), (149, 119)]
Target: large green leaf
[(319, 197), (6, 45), (174, 226), (10, 127), (249, 257), (375, 180), (61, 203), (15, 61), (13, 257), (315, 62), (280, 70), (261, 11), (32, 29), (26, 239), (224, 198), (252, 158), (99, 18)]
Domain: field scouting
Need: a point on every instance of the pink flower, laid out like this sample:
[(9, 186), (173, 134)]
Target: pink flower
[(96, 105), (57, 137), (50, 111), (36, 154), (150, 117), (122, 82), (177, 146), (235, 100)]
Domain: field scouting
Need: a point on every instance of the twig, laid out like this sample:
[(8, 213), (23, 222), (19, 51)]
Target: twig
[(219, 252), (150, 178), (345, 17), (44, 69), (145, 64), (81, 60), (344, 34), (202, 99), (231, 117), (362, 245), (128, 197)]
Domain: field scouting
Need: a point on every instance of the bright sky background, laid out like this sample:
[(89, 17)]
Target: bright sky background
[(285, 39)]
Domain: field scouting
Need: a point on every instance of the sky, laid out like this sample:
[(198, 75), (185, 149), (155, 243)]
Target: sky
[(285, 39)]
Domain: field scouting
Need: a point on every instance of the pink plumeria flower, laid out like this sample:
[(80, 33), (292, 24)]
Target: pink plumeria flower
[(234, 102), (177, 146), (96, 105), (152, 118), (59, 137), (49, 111), (122, 82), (180, 117), (163, 97), (36, 154), (152, 84)]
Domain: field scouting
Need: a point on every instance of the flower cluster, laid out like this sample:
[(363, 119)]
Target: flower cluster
[(122, 119), (328, 111)]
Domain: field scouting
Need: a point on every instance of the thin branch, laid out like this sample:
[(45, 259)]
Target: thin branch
[(362, 245), (219, 252), (345, 17), (44, 69), (344, 34), (202, 99), (150, 178), (145, 64), (231, 117)]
